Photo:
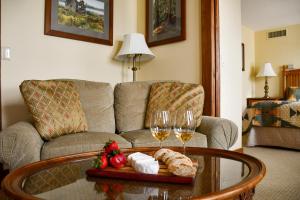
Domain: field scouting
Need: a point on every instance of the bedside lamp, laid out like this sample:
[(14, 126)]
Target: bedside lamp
[(134, 49), (266, 71)]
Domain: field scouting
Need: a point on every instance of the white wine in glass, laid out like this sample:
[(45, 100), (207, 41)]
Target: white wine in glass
[(160, 125), (184, 136), (184, 126)]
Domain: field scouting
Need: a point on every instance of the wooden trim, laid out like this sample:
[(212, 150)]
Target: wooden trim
[(243, 57), (208, 72), (170, 40), (210, 56), (0, 70), (217, 60), (251, 100), (284, 79), (291, 78), (215, 173), (49, 31), (12, 184)]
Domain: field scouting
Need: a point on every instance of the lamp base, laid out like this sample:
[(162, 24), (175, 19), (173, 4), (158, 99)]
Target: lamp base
[(266, 88), (134, 74), (134, 68)]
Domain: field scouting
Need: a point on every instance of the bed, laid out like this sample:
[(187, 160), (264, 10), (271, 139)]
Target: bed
[(275, 123)]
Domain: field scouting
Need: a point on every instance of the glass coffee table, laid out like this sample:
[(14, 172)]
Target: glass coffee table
[(221, 175)]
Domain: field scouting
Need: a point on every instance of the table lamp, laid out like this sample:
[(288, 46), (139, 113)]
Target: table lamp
[(266, 71), (134, 49)]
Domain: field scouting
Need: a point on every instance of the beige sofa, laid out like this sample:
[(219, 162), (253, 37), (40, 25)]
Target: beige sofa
[(111, 114)]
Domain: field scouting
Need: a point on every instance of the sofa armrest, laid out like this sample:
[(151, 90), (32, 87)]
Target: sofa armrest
[(20, 144), (220, 133)]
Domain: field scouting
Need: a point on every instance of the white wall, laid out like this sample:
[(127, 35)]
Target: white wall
[(37, 56), (248, 89), (231, 72), (278, 51), (175, 61)]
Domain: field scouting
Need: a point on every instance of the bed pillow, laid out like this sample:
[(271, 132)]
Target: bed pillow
[(293, 94), (55, 107), (173, 96)]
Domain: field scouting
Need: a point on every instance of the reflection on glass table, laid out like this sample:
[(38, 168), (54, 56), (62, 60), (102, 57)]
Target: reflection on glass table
[(70, 182)]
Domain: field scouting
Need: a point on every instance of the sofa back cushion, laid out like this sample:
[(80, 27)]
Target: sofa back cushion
[(97, 101), (173, 96), (55, 107), (130, 105)]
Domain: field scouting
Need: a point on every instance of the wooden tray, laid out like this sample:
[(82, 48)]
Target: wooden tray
[(128, 173)]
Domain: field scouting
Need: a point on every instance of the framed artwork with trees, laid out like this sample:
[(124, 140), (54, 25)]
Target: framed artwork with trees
[(165, 21), (85, 20)]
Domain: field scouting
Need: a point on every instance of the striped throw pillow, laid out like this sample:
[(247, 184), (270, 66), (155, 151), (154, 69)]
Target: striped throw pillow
[(173, 96)]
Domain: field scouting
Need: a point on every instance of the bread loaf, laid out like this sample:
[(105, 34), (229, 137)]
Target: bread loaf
[(160, 153), (177, 163), (178, 156)]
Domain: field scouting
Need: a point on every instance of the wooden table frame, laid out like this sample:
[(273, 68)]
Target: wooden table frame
[(251, 100), (12, 184)]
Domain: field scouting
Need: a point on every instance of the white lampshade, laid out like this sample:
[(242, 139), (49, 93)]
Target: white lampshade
[(266, 71), (134, 43)]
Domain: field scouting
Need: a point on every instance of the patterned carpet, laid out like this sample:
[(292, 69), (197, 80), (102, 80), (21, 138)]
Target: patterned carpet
[(282, 180)]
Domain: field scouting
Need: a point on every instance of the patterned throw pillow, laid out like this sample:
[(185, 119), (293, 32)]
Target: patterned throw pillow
[(173, 96), (293, 94), (55, 107)]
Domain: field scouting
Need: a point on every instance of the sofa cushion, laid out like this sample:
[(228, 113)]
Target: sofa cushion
[(173, 96), (97, 101), (144, 138), (78, 143), (55, 107), (130, 105)]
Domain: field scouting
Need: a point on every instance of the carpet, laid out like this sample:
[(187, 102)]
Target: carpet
[(282, 180)]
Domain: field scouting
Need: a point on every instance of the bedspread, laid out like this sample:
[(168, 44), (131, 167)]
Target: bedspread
[(272, 114)]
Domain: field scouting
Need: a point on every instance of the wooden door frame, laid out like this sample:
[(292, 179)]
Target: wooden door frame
[(210, 56), (0, 71)]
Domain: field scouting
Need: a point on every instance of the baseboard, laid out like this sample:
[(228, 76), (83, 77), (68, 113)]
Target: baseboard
[(240, 150)]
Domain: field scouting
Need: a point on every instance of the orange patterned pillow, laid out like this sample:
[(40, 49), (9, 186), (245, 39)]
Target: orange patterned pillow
[(173, 96), (55, 107)]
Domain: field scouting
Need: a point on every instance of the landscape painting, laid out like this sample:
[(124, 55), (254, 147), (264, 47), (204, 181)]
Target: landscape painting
[(87, 20), (165, 21), (84, 14)]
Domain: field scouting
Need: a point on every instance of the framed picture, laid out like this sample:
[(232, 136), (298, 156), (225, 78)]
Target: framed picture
[(165, 21), (85, 20), (243, 57)]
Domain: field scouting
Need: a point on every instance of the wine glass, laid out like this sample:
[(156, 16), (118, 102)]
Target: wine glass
[(184, 126), (160, 125)]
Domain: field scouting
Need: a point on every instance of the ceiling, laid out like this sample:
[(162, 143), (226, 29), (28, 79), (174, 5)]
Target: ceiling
[(267, 14)]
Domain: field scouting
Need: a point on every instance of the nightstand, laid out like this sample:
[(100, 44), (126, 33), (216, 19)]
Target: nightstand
[(256, 99)]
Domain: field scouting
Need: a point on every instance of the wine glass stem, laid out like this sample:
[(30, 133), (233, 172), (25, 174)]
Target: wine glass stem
[(184, 148), (160, 144)]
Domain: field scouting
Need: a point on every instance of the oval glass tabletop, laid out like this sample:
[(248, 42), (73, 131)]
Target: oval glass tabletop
[(220, 174)]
